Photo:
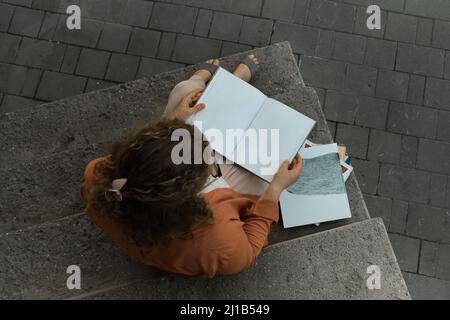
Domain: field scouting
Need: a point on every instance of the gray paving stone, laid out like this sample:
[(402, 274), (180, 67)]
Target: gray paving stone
[(49, 25), (25, 3), (200, 49), (220, 5), (361, 23), (278, 10), (436, 93), (408, 153), (380, 53), (367, 173), (441, 33), (332, 15), (40, 54), (384, 147), (424, 32), (229, 48), (12, 103), (95, 84), (137, 13), (323, 73), (70, 61), (114, 37), (420, 60), (416, 89), (340, 107), (93, 63), (443, 132), (54, 86), (6, 13), (399, 216), (325, 43), (248, 7), (47, 5), (406, 250), (302, 39), (109, 11), (203, 24), (87, 36), (256, 31), (301, 10), (448, 192), (435, 260), (144, 42), (412, 120), (433, 8), (392, 85), (354, 138), (401, 27), (421, 226), (433, 156), (438, 190), (447, 66), (332, 126), (226, 26), (26, 22), (361, 79), (392, 5), (10, 46), (122, 68), (379, 207), (31, 82), (13, 78), (427, 288), (166, 45), (372, 112), (163, 18), (150, 67), (349, 47), (404, 183)]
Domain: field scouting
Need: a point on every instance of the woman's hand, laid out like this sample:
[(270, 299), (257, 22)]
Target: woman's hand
[(285, 176), (187, 106)]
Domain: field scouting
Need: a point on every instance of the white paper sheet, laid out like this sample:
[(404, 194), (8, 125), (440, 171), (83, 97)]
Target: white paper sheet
[(320, 194)]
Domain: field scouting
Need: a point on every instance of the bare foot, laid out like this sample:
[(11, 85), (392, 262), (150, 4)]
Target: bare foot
[(243, 72), (205, 74)]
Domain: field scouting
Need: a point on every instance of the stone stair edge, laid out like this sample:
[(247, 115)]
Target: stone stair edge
[(397, 288)]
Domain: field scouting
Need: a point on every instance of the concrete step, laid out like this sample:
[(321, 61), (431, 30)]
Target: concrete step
[(31, 187), (326, 265), (42, 156)]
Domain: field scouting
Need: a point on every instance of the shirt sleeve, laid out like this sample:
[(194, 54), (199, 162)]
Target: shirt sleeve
[(252, 236)]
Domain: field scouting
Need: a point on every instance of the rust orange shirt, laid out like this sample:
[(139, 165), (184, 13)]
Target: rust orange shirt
[(229, 246)]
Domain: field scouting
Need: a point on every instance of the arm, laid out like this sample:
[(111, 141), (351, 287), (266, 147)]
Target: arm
[(259, 217)]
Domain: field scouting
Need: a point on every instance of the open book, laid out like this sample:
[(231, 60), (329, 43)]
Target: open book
[(319, 195), (249, 128)]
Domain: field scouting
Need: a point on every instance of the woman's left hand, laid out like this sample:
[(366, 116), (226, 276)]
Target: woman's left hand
[(187, 106)]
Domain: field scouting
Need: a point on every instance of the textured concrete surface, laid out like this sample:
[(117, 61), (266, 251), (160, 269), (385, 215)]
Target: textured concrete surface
[(327, 265), (45, 179), (385, 92)]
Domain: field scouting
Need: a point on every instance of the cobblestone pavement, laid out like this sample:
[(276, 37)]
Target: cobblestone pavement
[(386, 93)]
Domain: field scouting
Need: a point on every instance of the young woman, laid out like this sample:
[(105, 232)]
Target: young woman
[(160, 213)]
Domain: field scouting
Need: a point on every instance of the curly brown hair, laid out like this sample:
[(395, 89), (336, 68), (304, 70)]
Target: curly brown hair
[(159, 198)]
